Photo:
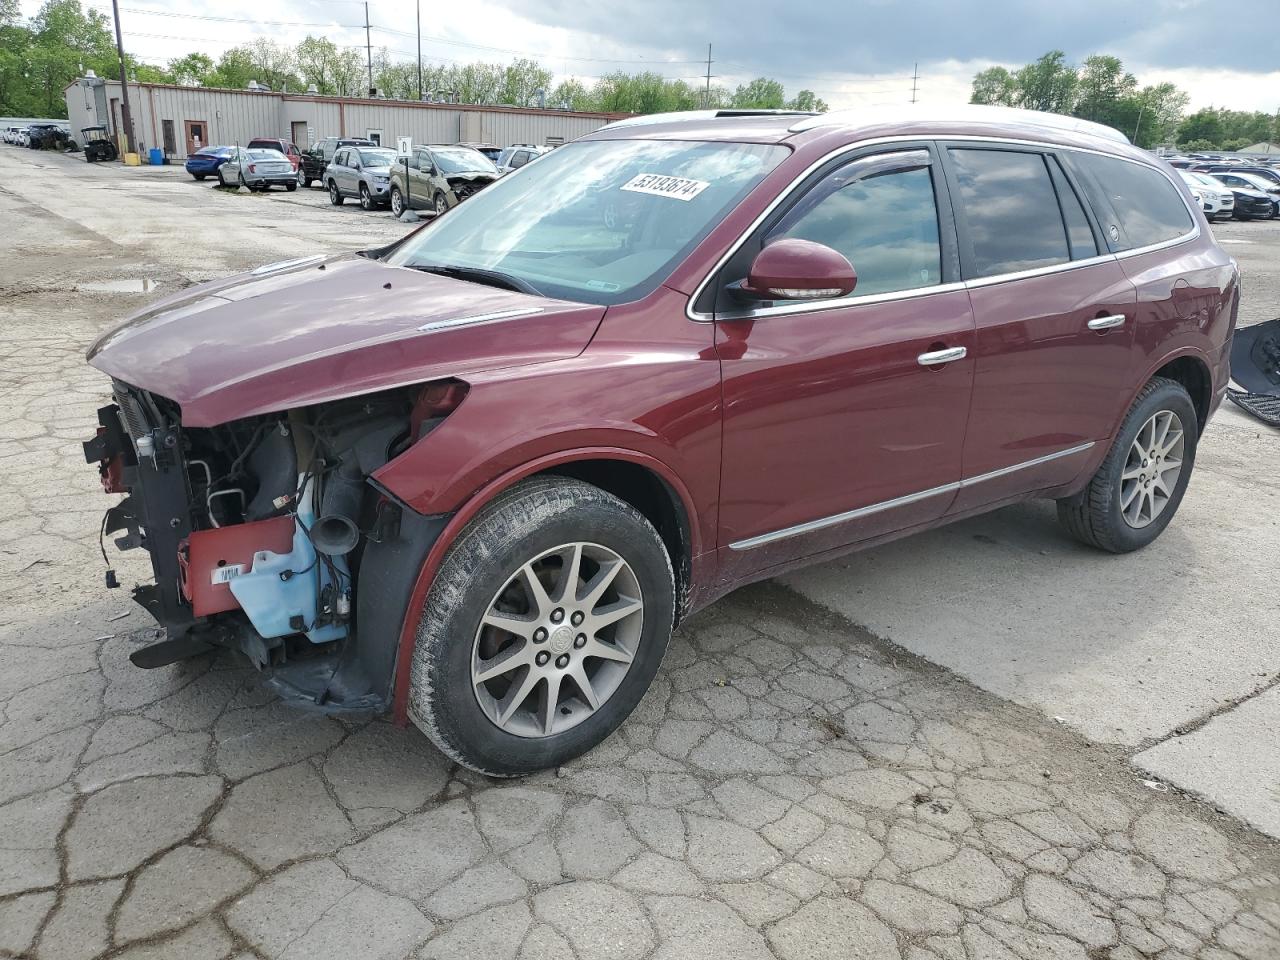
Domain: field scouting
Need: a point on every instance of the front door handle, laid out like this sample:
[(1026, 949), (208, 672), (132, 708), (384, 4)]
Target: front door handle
[(1106, 323), (935, 357)]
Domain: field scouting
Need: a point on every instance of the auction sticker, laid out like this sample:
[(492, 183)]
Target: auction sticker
[(661, 185)]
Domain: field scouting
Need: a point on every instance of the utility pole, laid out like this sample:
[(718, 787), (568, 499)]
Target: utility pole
[(915, 77), (368, 46), (419, 6), (706, 97), (126, 116)]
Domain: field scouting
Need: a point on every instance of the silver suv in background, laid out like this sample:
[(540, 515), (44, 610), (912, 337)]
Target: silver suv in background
[(363, 173), (517, 155)]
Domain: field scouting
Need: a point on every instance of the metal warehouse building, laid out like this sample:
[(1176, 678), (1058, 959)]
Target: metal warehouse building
[(180, 120)]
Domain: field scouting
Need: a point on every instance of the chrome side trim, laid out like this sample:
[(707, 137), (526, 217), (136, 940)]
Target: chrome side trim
[(1026, 464), (762, 312), (823, 523), (478, 319)]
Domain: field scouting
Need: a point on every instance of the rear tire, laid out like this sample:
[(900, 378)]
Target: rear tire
[(197, 176), (529, 528), (1109, 513)]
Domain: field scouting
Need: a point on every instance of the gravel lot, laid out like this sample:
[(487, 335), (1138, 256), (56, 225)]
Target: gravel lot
[(794, 786)]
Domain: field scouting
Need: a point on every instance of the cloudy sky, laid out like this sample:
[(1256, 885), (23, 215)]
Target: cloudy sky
[(851, 54)]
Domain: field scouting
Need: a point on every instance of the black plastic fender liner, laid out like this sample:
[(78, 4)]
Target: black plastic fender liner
[(1255, 358), (1255, 365), (360, 674)]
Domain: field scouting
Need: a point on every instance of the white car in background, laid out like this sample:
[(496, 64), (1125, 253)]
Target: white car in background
[(1215, 199)]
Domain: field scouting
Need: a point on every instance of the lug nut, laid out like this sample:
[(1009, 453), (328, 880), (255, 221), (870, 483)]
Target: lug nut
[(580, 641), (542, 658), (557, 615), (540, 635), (562, 661), (577, 618)]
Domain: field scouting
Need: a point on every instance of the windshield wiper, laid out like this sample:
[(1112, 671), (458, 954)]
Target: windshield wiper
[(492, 278)]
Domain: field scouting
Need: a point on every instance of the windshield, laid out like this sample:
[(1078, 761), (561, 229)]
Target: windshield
[(462, 160), (1199, 179), (599, 221), (377, 158)]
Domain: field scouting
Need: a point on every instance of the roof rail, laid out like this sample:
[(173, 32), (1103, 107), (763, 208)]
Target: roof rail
[(960, 113), (677, 116)]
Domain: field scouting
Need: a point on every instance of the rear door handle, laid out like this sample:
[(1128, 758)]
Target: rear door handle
[(1106, 323), (935, 357)]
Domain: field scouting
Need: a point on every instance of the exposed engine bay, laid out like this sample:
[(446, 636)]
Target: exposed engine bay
[(464, 185), (259, 530)]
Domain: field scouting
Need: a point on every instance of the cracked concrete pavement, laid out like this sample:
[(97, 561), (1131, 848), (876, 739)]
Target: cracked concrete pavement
[(791, 787)]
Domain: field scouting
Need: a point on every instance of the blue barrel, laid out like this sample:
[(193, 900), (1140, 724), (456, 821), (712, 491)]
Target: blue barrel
[(157, 156)]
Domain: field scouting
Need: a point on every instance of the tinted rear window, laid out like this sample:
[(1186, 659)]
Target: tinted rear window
[(1148, 206), (1010, 211)]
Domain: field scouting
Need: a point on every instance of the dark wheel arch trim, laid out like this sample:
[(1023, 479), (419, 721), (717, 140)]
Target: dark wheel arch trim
[(557, 463)]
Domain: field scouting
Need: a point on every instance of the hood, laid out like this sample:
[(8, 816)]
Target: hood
[(1250, 192), (319, 329), (471, 175), (382, 171)]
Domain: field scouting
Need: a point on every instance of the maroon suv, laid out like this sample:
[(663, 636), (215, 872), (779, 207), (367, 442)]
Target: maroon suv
[(476, 476)]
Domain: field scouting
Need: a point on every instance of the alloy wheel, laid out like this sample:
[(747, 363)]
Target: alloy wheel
[(366, 201), (441, 204), (1151, 469), (557, 640), (397, 202)]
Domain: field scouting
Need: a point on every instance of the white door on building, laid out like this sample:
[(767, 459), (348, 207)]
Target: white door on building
[(375, 136)]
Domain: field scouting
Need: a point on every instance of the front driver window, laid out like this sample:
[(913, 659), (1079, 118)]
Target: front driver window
[(879, 212)]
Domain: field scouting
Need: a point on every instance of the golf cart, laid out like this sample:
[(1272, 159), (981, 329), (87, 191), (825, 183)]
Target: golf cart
[(98, 145)]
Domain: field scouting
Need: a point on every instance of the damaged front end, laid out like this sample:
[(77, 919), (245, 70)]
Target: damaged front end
[(265, 535), (464, 185)]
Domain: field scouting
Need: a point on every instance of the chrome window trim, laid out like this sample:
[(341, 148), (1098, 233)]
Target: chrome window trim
[(822, 523), (806, 307)]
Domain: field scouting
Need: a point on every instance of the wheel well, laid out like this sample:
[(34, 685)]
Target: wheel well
[(654, 498), (1195, 377)]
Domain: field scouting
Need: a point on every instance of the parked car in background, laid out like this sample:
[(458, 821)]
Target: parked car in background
[(362, 173), (11, 134), (517, 155), (206, 161), (516, 452), (1263, 171), (316, 157), (490, 150), (1262, 196), (1215, 198), (46, 136), (439, 177), (287, 147), (257, 169)]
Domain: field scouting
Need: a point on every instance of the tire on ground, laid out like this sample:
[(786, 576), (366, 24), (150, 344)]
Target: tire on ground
[(533, 516), (1094, 516)]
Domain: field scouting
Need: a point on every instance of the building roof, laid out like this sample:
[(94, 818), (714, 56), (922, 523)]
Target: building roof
[(1261, 147), (371, 101)]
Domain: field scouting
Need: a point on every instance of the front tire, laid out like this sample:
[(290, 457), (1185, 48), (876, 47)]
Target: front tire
[(366, 198), (1137, 489), (397, 202), (335, 195), (439, 203), (291, 186), (543, 629)]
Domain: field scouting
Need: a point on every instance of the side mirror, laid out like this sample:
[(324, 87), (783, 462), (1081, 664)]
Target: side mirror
[(793, 269)]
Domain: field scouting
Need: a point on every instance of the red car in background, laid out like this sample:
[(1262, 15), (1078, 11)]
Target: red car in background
[(477, 476), (287, 147)]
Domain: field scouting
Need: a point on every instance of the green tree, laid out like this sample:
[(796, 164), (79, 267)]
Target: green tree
[(191, 70), (761, 93), (995, 85), (1048, 84), (334, 70), (571, 95), (1104, 91), (63, 37), (809, 101), (234, 70), (1203, 125)]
